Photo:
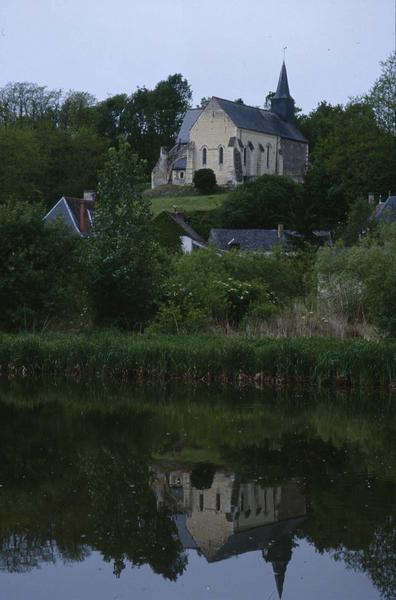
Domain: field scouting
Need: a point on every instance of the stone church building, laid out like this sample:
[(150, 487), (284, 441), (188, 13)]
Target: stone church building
[(238, 142)]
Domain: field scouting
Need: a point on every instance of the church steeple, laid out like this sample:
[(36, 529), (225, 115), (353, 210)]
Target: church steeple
[(283, 84), (282, 103)]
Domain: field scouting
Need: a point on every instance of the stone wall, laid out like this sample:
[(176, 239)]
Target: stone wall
[(295, 158)]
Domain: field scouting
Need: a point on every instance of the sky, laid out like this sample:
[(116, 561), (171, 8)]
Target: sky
[(225, 48)]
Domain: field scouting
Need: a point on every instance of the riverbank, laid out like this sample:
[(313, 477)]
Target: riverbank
[(210, 359)]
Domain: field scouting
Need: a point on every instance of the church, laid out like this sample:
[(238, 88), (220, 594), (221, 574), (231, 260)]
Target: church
[(238, 142)]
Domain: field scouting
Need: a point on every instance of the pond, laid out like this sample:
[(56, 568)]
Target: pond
[(195, 493)]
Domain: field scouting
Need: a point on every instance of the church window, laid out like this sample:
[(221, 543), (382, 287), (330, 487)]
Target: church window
[(201, 502), (221, 155), (181, 175), (218, 502), (244, 156), (268, 155), (204, 156)]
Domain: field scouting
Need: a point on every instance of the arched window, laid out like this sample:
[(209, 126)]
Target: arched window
[(204, 156), (244, 156), (221, 155), (268, 155)]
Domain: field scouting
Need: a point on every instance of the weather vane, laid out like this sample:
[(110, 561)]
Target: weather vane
[(284, 52)]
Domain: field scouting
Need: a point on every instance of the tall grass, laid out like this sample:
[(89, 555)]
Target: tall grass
[(236, 360)]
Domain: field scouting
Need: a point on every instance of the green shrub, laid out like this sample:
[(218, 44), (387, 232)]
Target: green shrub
[(205, 181), (262, 203)]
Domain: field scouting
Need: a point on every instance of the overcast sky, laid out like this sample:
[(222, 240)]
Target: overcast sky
[(226, 48)]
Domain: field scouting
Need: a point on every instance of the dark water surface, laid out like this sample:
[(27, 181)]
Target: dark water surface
[(141, 492)]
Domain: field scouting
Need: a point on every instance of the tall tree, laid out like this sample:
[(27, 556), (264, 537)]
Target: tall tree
[(382, 96), (122, 253)]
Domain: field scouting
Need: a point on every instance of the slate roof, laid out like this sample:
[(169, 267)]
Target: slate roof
[(68, 209), (189, 231), (386, 211), (282, 91), (258, 239), (189, 119), (258, 119), (180, 164)]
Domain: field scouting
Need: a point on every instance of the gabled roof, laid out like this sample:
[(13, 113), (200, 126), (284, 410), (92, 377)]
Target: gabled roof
[(258, 119), (259, 239), (386, 211), (189, 119), (189, 231), (68, 209)]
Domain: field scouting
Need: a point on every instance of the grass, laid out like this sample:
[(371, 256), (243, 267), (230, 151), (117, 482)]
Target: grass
[(210, 359), (186, 203)]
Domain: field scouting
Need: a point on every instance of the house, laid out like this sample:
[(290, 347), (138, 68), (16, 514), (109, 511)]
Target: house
[(265, 240), (385, 212), (76, 213), (174, 233), (238, 142)]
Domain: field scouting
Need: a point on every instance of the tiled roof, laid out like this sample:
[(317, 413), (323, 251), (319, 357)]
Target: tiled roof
[(258, 119), (190, 118), (189, 231), (259, 239), (179, 164)]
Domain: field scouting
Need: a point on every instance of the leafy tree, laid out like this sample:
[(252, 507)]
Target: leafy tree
[(382, 96), (205, 181), (152, 118), (108, 116), (76, 112), (262, 203), (122, 254), (40, 269), (28, 103)]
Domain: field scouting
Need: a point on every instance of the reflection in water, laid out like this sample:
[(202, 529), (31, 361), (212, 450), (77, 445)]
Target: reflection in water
[(144, 482), (230, 517)]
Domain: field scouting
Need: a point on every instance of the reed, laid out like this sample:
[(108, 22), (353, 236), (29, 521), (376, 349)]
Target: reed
[(225, 359)]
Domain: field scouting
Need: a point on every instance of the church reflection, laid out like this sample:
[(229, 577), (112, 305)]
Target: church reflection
[(220, 516)]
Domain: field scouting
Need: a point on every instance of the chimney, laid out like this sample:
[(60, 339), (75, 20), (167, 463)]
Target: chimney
[(280, 230), (83, 216), (89, 196), (371, 199)]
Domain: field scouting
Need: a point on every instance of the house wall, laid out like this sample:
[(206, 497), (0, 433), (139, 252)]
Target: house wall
[(256, 161), (212, 129)]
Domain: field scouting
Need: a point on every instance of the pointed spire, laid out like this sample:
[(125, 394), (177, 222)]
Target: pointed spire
[(283, 84), (279, 568), (282, 104)]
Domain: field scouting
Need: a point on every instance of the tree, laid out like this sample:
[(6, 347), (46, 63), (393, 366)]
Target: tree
[(205, 181), (122, 255), (382, 96), (40, 269), (262, 203), (77, 111), (152, 118)]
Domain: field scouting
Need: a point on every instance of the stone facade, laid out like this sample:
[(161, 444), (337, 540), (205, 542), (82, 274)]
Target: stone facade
[(237, 142)]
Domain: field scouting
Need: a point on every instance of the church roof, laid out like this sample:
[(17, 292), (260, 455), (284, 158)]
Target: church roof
[(282, 90), (189, 119), (258, 119)]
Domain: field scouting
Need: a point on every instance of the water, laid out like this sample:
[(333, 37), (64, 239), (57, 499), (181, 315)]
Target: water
[(139, 492)]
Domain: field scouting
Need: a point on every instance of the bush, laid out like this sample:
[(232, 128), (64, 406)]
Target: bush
[(262, 203), (205, 181), (359, 283), (206, 288), (41, 269)]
